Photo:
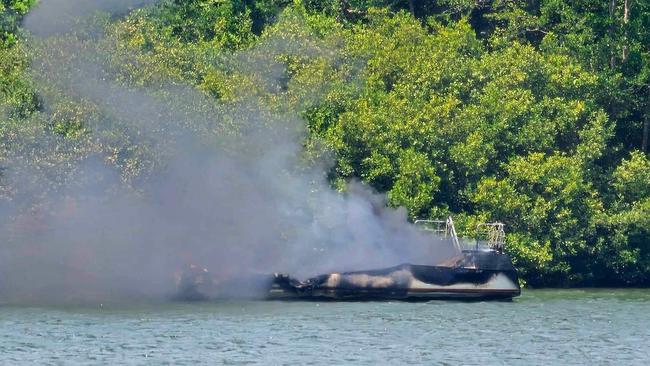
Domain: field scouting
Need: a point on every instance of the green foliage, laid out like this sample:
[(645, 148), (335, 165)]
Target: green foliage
[(11, 11), (546, 197), (532, 257), (17, 97), (632, 178), (624, 247), (224, 23), (415, 183)]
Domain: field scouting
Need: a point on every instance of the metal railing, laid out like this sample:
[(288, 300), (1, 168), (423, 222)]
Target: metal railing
[(443, 228), (488, 235), (493, 234)]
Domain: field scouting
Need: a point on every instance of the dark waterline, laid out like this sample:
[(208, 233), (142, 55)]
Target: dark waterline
[(541, 327)]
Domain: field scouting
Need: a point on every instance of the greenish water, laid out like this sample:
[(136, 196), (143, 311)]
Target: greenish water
[(541, 327)]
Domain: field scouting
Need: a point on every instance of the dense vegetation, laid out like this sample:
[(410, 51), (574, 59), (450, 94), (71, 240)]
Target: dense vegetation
[(534, 113)]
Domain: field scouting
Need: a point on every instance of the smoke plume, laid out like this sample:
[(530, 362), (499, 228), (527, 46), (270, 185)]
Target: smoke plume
[(225, 186)]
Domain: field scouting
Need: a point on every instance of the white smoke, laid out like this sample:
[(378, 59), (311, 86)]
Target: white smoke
[(229, 190)]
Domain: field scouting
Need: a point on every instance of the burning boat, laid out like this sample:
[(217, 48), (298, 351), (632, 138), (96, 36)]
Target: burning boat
[(480, 271)]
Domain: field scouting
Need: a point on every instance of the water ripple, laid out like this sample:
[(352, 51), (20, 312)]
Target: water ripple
[(542, 327)]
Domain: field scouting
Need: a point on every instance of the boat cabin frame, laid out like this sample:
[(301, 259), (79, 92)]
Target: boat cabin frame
[(489, 235)]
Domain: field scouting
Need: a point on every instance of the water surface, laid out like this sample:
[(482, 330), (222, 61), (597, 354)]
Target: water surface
[(541, 327)]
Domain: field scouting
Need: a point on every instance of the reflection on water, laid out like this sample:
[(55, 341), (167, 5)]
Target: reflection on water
[(540, 327)]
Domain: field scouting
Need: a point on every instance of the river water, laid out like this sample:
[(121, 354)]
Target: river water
[(541, 327)]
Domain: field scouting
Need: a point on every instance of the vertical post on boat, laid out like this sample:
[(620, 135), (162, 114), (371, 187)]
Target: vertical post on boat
[(452, 232)]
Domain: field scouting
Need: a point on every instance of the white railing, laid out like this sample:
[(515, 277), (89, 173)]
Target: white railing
[(488, 235), (493, 234), (443, 228)]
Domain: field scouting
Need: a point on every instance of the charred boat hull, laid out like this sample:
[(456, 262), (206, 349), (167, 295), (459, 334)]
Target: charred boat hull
[(475, 276)]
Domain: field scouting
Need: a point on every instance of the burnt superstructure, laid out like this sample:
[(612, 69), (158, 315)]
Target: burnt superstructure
[(480, 270)]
